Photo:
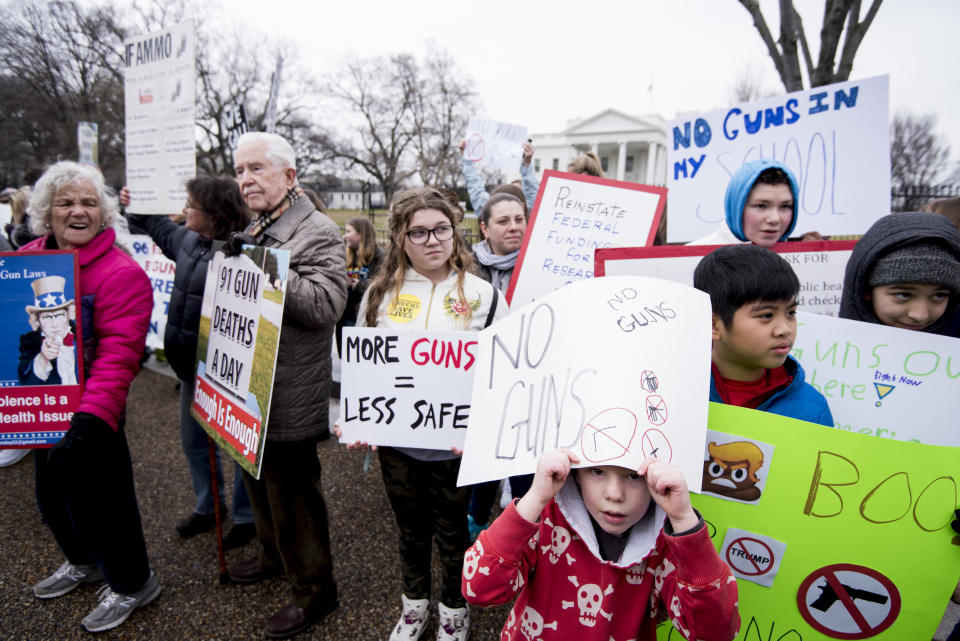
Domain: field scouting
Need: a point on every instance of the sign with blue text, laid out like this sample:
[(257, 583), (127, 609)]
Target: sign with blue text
[(883, 381), (835, 139), (406, 388), (616, 369), (161, 271), (574, 215)]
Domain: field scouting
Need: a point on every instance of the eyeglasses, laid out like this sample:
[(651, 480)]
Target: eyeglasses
[(422, 236)]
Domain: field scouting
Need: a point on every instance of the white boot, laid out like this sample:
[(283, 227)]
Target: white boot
[(454, 624), (412, 621)]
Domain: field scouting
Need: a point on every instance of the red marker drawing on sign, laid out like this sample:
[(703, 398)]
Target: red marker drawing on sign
[(656, 409), (750, 557), (608, 435), (474, 148), (847, 601), (655, 443), (649, 381)]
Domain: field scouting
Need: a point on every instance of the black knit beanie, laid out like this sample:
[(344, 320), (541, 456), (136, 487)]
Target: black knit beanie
[(926, 262)]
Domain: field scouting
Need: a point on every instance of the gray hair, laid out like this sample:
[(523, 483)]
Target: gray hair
[(64, 174), (279, 151)]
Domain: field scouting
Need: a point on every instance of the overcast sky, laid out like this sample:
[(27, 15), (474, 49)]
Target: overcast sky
[(541, 64)]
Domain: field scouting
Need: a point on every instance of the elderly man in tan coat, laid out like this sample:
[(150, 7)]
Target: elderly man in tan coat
[(289, 510)]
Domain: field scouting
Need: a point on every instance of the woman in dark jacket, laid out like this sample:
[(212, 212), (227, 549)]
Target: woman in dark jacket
[(364, 257), (214, 209)]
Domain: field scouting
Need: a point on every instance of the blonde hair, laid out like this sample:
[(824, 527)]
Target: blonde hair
[(364, 254), (18, 204), (391, 277), (587, 163), (949, 207), (736, 453)]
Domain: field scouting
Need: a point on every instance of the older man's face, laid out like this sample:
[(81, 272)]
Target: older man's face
[(262, 183)]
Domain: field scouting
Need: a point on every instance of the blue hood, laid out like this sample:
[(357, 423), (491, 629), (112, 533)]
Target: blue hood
[(739, 188)]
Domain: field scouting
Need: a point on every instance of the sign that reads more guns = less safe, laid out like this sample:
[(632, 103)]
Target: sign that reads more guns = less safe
[(409, 388), (575, 215)]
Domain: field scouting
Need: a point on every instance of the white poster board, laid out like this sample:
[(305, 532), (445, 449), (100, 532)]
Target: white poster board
[(161, 271), (408, 388), (573, 216), (835, 139), (883, 381), (498, 145), (615, 369), (160, 94), (819, 265)]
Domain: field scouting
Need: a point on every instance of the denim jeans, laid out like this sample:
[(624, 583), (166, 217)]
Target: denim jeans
[(194, 441)]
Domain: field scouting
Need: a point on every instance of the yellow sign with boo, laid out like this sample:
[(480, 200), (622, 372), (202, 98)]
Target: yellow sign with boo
[(831, 535)]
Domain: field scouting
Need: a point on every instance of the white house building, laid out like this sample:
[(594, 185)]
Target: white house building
[(631, 148)]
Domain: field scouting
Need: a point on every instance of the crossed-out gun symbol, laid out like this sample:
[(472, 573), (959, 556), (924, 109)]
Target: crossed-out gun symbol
[(828, 596)]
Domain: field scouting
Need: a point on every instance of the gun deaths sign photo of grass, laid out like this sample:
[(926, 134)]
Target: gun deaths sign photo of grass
[(237, 350), (831, 534), (615, 369)]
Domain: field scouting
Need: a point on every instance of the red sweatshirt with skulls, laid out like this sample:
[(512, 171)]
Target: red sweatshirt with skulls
[(565, 590)]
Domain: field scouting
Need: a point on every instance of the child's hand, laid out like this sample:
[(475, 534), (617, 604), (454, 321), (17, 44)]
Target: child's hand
[(669, 489), (552, 471), (357, 445)]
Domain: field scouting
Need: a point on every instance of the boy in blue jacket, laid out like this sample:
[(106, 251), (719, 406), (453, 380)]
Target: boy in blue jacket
[(753, 292)]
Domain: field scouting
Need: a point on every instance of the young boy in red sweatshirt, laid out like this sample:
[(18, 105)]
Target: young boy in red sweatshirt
[(603, 553), (753, 292)]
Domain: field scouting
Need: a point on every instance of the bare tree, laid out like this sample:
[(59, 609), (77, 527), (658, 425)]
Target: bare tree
[(748, 85), (841, 21), (918, 158)]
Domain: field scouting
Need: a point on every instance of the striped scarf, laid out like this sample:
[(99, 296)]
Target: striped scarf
[(267, 218)]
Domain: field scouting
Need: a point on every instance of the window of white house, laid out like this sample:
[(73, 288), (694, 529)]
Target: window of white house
[(628, 166), (556, 163), (605, 163), (536, 164)]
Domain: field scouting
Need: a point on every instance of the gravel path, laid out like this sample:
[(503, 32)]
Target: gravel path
[(193, 604)]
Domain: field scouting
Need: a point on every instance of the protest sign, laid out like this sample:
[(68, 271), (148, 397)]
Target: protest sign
[(87, 143), (883, 381), (616, 369), (240, 322), (160, 94), (233, 124), (573, 216), (849, 538), (41, 377), (820, 266), (493, 144), (406, 388), (835, 139), (160, 270)]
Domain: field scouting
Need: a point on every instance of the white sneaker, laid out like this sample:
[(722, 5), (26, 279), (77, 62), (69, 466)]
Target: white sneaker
[(65, 579), (412, 621), (115, 608), (454, 624), (10, 456)]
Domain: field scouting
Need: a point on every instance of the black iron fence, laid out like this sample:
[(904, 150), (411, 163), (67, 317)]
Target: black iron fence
[(914, 197)]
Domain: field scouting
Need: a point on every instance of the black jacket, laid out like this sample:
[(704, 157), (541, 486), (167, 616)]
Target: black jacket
[(191, 251), (892, 232)]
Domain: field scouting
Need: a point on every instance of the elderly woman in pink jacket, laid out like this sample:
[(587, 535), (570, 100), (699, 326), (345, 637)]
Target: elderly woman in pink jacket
[(85, 482)]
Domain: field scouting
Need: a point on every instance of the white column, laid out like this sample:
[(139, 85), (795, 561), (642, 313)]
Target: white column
[(651, 163), (595, 148), (622, 161)]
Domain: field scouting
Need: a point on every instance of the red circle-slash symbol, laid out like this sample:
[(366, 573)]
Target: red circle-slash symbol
[(475, 148), (608, 435), (649, 381), (847, 601), (750, 556), (655, 443), (656, 409)]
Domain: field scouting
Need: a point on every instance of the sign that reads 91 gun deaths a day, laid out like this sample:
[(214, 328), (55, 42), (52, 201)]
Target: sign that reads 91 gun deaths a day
[(835, 139), (409, 388), (849, 537), (159, 99), (237, 350), (819, 265), (883, 381), (616, 369), (573, 216)]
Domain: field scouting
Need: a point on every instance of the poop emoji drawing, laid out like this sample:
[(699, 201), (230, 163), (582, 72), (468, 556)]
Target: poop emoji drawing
[(731, 470)]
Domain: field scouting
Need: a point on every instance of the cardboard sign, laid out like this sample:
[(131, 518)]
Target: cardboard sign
[(240, 323), (835, 139), (846, 507), (883, 381), (616, 369), (160, 94), (407, 388), (498, 145), (161, 271), (819, 265), (573, 216), (41, 373)]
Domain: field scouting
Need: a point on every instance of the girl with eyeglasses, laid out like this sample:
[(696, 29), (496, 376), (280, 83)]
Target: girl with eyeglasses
[(426, 283)]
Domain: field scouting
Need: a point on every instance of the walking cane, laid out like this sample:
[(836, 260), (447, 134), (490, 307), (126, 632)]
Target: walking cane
[(212, 449)]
